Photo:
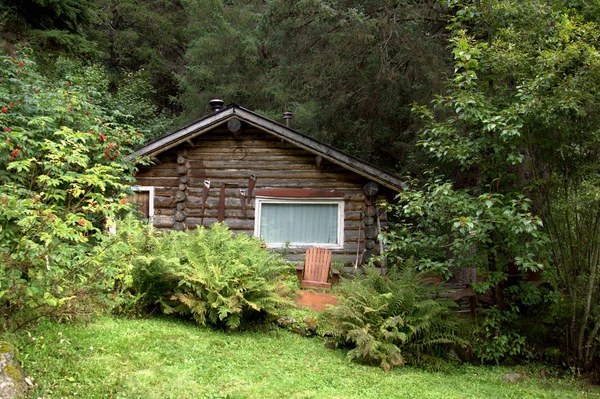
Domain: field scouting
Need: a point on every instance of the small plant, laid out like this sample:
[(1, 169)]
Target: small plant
[(391, 320), (495, 340)]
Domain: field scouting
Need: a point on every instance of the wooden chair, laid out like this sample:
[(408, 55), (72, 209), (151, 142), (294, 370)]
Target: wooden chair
[(315, 271)]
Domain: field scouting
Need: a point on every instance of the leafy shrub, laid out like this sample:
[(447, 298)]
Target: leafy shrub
[(218, 277), (392, 320), (493, 341), (63, 174)]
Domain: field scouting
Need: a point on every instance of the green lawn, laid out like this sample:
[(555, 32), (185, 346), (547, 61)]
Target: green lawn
[(165, 358)]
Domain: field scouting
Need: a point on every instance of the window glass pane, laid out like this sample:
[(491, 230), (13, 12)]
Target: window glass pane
[(299, 223)]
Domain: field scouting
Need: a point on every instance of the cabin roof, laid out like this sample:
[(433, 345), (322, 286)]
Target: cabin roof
[(285, 133)]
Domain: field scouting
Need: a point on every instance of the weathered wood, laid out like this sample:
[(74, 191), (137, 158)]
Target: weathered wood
[(319, 161), (184, 179), (368, 254), (369, 244), (163, 221), (178, 226), (315, 272), (182, 169), (182, 187), (369, 220), (191, 143), (180, 196), (370, 189), (221, 213), (181, 160), (182, 152), (234, 125), (370, 210), (298, 193), (371, 231), (180, 206), (155, 160), (180, 216)]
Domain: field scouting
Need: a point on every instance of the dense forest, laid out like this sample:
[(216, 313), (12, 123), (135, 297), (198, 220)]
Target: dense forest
[(488, 108)]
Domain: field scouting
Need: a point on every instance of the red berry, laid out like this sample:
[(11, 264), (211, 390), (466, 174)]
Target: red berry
[(4, 109), (36, 90), (81, 222), (11, 158), (106, 157), (68, 83), (12, 59), (111, 145), (107, 152), (21, 63), (10, 105), (15, 152), (7, 130), (123, 201)]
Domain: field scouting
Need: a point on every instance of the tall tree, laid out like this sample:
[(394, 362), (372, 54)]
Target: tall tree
[(147, 34), (49, 25), (226, 58), (520, 117), (349, 71)]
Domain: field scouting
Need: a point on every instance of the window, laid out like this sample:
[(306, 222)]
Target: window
[(300, 222), (143, 200)]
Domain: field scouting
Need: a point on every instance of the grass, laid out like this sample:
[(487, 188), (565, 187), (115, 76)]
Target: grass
[(168, 358)]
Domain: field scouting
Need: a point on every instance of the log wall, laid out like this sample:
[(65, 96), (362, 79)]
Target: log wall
[(223, 157)]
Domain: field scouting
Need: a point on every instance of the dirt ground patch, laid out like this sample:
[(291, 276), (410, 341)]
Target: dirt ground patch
[(315, 300)]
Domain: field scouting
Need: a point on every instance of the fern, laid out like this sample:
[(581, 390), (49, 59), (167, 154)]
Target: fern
[(211, 274), (391, 320)]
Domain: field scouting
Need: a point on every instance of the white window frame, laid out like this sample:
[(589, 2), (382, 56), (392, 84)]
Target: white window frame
[(150, 190), (260, 200)]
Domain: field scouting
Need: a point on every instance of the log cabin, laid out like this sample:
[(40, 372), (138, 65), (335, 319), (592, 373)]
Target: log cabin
[(263, 178)]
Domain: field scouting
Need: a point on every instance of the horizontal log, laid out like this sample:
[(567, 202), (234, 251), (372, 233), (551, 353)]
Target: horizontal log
[(281, 172), (231, 222), (263, 183), (218, 148)]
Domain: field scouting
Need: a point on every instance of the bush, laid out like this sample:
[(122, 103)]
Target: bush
[(218, 277), (392, 320), (63, 174)]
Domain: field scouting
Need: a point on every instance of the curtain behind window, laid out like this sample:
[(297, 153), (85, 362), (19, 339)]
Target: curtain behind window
[(299, 223)]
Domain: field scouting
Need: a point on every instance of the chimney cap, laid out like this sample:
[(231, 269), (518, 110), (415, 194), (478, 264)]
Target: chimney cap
[(216, 104)]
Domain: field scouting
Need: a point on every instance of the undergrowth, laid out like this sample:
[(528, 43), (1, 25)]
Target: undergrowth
[(392, 320), (218, 277)]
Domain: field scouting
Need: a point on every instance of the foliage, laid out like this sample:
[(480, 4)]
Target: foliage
[(218, 277), (493, 341), (142, 37), (444, 228), (573, 219), (348, 70), (519, 118), (63, 174), (392, 320)]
